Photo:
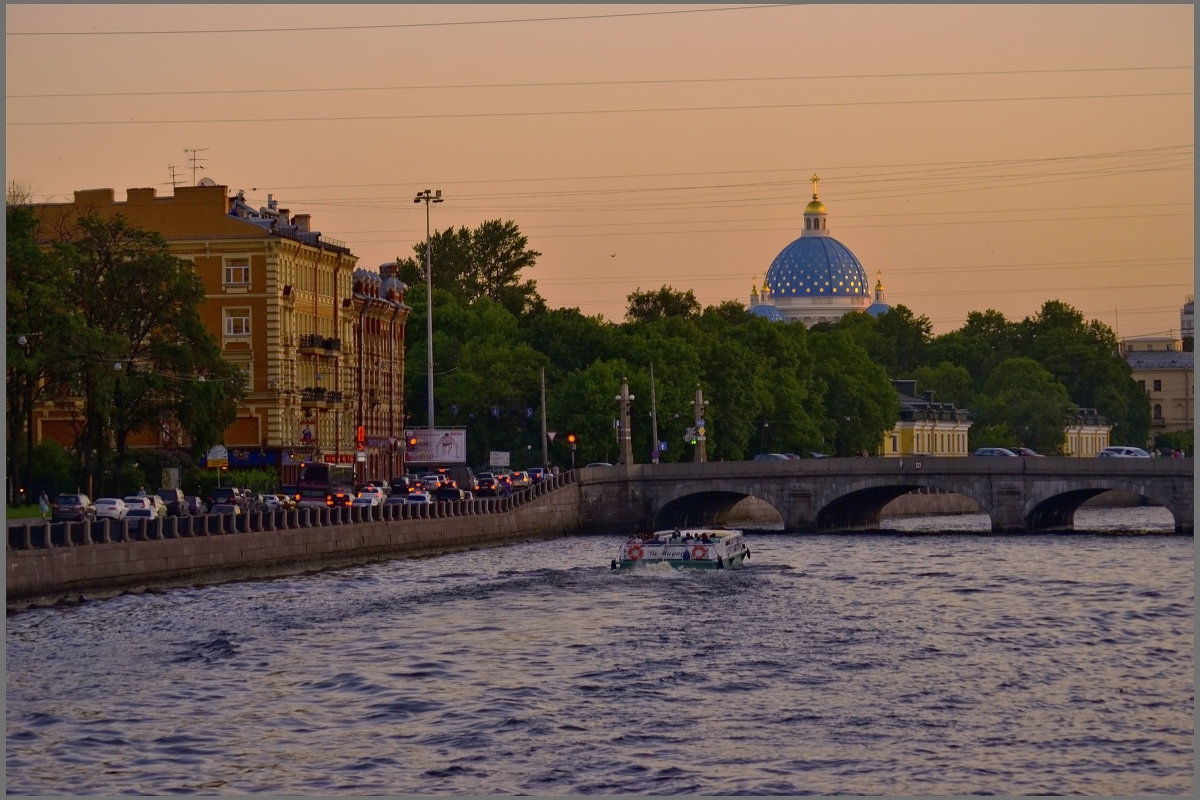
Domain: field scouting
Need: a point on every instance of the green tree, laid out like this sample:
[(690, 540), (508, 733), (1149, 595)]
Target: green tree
[(36, 319), (860, 403), (473, 264), (661, 303), (143, 339), (1025, 403), (950, 383)]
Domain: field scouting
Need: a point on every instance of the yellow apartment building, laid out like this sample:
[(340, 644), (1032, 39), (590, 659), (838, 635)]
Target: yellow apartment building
[(315, 335), (1167, 374)]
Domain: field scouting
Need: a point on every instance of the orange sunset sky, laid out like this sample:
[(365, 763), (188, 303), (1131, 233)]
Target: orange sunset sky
[(977, 157)]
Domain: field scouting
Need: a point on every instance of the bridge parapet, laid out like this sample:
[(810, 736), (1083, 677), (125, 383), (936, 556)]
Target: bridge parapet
[(1021, 494)]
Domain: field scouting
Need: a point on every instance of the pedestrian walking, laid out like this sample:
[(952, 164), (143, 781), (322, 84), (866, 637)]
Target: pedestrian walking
[(44, 504)]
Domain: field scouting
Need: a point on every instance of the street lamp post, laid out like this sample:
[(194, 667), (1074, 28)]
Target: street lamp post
[(429, 196)]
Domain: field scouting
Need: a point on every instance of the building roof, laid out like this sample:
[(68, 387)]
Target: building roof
[(1159, 359), (768, 311)]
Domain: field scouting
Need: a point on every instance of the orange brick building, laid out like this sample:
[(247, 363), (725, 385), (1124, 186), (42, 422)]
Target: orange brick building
[(321, 342)]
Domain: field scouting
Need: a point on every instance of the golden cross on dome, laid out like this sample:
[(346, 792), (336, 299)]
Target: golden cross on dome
[(815, 180)]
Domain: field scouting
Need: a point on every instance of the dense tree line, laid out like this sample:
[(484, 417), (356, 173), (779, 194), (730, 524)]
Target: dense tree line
[(104, 313), (107, 294), (771, 387)]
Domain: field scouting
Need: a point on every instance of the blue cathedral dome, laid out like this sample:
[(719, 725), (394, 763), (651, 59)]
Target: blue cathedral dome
[(768, 311), (817, 266)]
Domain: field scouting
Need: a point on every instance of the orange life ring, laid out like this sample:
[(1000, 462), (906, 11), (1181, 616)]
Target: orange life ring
[(635, 552), (699, 551)]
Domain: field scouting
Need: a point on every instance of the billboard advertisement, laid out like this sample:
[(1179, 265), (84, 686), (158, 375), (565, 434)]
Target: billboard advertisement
[(448, 446)]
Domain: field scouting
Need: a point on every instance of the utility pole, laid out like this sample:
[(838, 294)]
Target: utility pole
[(653, 418), (545, 441), (623, 432), (698, 404)]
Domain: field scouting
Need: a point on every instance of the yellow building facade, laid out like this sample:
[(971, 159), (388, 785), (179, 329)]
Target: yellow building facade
[(281, 301), (926, 427), (1166, 373)]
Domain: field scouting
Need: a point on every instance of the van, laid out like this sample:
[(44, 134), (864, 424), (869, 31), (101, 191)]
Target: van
[(176, 502)]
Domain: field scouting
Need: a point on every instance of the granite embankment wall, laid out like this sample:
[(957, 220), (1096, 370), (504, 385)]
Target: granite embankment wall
[(284, 543)]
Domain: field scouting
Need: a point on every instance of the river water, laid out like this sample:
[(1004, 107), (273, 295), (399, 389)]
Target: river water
[(901, 663)]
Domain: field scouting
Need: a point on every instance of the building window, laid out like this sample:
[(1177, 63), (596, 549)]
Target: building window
[(1158, 412), (237, 271), (1158, 386), (1142, 385), (895, 443), (237, 322)]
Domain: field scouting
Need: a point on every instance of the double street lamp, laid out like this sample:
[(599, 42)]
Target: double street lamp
[(429, 196)]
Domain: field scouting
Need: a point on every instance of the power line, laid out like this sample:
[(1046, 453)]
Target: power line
[(394, 26), (577, 84), (597, 111)]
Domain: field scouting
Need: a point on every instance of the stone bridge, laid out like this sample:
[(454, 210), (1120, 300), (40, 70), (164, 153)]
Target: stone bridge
[(831, 494)]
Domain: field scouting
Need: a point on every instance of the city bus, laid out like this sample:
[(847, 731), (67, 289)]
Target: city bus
[(323, 484)]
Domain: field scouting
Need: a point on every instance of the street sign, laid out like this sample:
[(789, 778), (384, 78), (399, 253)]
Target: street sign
[(217, 456)]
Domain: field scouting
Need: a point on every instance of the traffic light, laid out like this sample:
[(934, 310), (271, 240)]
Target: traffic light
[(412, 442), (361, 438), (572, 440)]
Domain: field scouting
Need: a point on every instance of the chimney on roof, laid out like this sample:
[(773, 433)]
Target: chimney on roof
[(303, 222)]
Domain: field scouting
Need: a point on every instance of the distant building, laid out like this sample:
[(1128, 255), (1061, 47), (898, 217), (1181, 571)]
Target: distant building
[(1166, 373), (1087, 433), (314, 335), (816, 278), (926, 427), (1187, 323)]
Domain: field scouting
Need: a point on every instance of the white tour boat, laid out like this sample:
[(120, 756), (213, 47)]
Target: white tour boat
[(697, 548)]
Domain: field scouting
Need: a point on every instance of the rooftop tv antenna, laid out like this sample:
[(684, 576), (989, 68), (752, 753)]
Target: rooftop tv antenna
[(194, 160), (174, 177)]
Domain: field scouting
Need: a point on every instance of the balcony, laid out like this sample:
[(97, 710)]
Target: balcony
[(314, 397), (334, 400), (313, 344)]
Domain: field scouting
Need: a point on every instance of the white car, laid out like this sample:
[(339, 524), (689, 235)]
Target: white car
[(373, 492), (366, 500), (1122, 452), (417, 498), (138, 516), (150, 501), (111, 508)]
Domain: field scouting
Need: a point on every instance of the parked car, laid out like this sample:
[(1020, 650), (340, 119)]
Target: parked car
[(150, 501), (1028, 452), (137, 518), (72, 508), (196, 505), (994, 451), (113, 508), (175, 502), (227, 495), (226, 509), (1121, 451), (416, 498)]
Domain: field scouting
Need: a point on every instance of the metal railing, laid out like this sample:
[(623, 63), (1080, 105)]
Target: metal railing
[(35, 534)]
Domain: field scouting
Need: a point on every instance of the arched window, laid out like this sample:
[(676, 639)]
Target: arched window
[(1158, 412)]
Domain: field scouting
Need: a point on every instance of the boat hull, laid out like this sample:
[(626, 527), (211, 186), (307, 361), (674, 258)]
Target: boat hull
[(686, 549)]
